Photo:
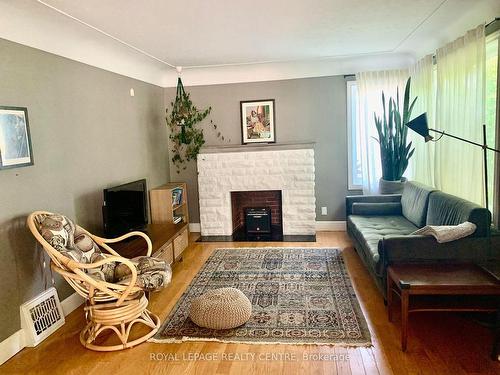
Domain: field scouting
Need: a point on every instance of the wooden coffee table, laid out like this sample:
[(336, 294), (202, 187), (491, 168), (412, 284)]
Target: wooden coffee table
[(441, 287)]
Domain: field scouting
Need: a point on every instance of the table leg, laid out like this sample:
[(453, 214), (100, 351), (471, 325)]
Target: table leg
[(389, 296), (404, 319), (495, 352)]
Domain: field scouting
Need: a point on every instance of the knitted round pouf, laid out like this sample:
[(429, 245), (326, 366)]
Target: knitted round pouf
[(222, 308)]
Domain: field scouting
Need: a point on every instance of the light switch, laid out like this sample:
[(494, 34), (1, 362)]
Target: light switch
[(324, 211)]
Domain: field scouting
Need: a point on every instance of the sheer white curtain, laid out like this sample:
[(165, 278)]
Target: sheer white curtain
[(423, 86), (460, 107), (370, 87), (452, 92)]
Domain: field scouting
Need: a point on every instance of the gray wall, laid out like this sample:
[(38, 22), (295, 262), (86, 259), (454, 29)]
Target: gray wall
[(87, 133), (310, 109)]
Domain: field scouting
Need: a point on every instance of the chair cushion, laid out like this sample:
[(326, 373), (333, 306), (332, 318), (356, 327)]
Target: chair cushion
[(90, 252), (414, 202), (63, 235), (369, 230), (152, 273), (73, 242), (58, 231)]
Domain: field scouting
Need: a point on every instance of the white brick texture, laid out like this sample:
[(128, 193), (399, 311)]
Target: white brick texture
[(291, 171)]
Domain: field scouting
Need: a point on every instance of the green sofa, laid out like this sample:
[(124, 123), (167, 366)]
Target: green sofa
[(381, 225)]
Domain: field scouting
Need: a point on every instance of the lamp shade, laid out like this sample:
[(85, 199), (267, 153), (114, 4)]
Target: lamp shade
[(419, 125)]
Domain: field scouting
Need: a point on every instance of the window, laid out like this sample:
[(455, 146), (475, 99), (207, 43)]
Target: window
[(355, 175), (354, 135)]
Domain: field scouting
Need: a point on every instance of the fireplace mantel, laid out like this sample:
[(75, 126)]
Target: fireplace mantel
[(257, 147)]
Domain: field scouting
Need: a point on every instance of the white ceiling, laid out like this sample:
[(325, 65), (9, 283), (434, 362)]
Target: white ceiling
[(197, 33), (240, 40)]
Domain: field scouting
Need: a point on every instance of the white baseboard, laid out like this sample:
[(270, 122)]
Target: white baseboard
[(321, 226), (71, 303), (195, 227), (330, 226), (11, 346), (15, 342)]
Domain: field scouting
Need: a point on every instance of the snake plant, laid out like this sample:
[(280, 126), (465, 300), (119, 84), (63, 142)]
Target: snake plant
[(392, 131)]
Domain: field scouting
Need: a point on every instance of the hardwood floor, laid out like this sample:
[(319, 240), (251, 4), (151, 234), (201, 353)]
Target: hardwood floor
[(439, 343)]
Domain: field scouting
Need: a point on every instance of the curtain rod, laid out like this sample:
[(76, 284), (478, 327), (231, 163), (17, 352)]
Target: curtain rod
[(489, 28), (493, 26), (493, 21)]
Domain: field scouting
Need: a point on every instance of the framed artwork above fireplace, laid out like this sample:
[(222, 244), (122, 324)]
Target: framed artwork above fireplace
[(257, 121)]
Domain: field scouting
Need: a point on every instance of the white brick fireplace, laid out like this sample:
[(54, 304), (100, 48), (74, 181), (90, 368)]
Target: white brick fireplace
[(253, 168)]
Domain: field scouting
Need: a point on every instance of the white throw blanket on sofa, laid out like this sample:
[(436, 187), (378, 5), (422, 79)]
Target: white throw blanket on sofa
[(447, 233)]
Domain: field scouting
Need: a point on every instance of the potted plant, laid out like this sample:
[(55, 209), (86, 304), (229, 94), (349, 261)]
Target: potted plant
[(187, 139), (395, 152)]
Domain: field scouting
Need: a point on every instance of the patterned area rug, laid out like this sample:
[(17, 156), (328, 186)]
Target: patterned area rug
[(298, 296)]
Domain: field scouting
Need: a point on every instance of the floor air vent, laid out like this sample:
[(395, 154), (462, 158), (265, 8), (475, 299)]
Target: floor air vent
[(41, 316)]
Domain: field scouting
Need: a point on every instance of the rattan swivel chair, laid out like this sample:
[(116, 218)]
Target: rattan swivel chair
[(113, 286)]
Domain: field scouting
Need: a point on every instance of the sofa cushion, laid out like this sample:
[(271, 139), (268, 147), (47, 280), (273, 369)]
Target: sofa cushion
[(447, 209), (369, 230), (377, 209), (414, 202)]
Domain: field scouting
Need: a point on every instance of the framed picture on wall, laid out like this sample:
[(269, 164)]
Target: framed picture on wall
[(257, 121), (15, 140)]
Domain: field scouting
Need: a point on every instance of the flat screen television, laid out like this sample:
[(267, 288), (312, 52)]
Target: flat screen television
[(125, 208)]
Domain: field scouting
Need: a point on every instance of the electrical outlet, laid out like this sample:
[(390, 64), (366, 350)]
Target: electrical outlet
[(324, 211)]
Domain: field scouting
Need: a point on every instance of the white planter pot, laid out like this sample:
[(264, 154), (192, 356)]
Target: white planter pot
[(391, 187)]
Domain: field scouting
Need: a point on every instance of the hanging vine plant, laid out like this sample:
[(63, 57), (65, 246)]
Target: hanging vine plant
[(187, 139)]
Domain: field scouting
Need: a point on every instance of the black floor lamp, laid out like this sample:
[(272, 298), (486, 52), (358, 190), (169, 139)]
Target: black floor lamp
[(419, 125)]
